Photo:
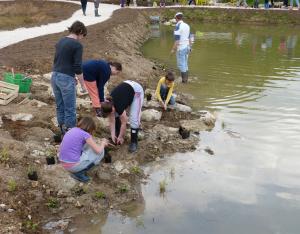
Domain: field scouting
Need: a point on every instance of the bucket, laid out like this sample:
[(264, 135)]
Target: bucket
[(22, 81)]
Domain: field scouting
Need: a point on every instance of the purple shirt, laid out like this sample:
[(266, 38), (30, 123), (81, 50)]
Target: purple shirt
[(72, 145)]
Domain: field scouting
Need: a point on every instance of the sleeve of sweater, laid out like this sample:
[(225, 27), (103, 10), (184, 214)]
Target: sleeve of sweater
[(157, 92), (100, 85), (78, 59)]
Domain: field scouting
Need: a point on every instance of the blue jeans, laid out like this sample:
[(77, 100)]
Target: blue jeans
[(87, 157), (182, 59), (164, 93), (64, 89)]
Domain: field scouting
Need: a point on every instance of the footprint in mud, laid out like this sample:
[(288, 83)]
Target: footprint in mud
[(209, 151)]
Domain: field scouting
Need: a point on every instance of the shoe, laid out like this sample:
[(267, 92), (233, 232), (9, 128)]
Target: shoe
[(134, 140), (80, 176)]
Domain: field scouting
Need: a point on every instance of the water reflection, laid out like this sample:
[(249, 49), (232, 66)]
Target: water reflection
[(250, 184)]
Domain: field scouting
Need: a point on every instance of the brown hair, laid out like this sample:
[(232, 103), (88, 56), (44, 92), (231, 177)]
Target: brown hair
[(87, 124), (170, 76), (106, 107), (117, 65), (78, 28), (179, 16)]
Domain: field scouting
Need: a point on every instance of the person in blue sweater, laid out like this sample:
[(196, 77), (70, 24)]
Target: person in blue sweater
[(95, 74)]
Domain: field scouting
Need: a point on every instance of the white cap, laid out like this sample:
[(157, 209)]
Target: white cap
[(178, 13)]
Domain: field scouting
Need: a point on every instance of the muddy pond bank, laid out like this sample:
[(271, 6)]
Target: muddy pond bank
[(27, 126), (56, 198)]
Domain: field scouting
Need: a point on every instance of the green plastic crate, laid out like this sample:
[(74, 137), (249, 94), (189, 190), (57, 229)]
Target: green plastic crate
[(22, 81)]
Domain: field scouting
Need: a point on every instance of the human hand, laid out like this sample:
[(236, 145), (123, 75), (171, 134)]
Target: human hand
[(165, 106), (114, 139), (104, 142), (120, 140)]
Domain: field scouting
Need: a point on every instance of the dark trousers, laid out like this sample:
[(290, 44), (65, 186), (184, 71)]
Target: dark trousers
[(83, 5)]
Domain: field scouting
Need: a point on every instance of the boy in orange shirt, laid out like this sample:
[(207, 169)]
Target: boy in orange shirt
[(164, 90)]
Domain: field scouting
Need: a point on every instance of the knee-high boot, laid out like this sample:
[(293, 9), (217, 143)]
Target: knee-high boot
[(134, 140)]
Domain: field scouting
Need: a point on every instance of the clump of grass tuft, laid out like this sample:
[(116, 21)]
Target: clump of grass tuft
[(4, 155), (31, 226), (12, 185), (136, 170), (100, 195), (162, 186), (123, 188), (52, 203)]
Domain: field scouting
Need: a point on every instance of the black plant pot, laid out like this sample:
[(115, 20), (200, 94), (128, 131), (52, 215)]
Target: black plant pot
[(107, 157), (50, 160), (184, 133), (148, 96), (57, 138), (33, 176)]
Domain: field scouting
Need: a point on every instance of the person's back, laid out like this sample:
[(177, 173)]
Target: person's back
[(68, 55), (183, 31), (95, 70)]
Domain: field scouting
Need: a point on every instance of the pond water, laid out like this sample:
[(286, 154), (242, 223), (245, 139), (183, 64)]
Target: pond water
[(249, 180)]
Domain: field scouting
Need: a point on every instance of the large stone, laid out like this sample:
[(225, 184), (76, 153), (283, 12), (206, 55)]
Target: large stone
[(20, 116), (36, 134), (47, 76), (118, 166), (196, 125), (180, 107), (208, 118), (151, 104), (57, 177), (37, 103), (151, 115), (164, 133), (61, 224)]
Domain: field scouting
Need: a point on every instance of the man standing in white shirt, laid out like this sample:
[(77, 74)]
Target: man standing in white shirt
[(182, 45)]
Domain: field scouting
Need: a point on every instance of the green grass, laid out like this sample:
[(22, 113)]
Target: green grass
[(52, 203), (136, 170), (29, 225), (12, 185), (4, 155), (123, 188), (100, 195)]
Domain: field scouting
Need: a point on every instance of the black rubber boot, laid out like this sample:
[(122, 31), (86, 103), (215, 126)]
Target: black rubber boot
[(134, 140), (184, 77), (96, 12)]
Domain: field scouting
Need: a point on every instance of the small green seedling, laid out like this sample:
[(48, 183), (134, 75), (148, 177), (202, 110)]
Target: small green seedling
[(52, 203), (136, 170), (51, 152), (4, 155), (100, 195), (30, 225), (12, 185), (123, 188), (162, 186)]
